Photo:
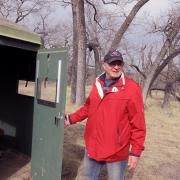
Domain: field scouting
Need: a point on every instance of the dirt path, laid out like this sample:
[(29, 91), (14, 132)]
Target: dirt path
[(14, 166)]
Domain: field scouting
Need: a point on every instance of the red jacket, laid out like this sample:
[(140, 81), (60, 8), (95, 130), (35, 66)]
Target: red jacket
[(115, 121)]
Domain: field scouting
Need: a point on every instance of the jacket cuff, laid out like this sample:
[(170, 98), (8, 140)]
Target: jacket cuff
[(70, 121), (137, 152), (68, 118), (132, 154)]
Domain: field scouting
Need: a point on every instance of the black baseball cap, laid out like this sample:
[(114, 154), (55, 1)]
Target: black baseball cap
[(113, 55)]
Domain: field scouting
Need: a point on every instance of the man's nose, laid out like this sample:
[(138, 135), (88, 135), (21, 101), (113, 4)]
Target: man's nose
[(116, 66)]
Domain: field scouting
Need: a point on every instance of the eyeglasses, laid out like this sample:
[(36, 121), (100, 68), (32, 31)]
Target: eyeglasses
[(116, 63)]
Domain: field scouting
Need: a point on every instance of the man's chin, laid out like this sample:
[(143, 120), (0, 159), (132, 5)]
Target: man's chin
[(116, 75)]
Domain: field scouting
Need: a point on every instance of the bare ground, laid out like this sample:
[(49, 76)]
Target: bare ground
[(73, 154), (16, 166)]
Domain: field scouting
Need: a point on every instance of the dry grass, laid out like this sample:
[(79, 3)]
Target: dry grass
[(159, 161), (161, 158)]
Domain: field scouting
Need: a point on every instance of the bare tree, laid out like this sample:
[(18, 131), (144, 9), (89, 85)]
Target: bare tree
[(18, 10), (75, 52), (81, 68), (81, 65), (168, 88), (123, 28), (160, 62)]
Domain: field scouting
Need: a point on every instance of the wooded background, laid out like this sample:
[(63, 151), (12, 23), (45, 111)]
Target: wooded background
[(150, 46)]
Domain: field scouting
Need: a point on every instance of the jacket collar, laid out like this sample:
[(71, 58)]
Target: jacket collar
[(100, 80), (120, 82)]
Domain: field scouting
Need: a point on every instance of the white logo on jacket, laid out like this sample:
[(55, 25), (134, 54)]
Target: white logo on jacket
[(114, 89)]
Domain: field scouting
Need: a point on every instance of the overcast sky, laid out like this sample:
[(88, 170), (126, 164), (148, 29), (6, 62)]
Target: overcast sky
[(157, 7), (154, 8)]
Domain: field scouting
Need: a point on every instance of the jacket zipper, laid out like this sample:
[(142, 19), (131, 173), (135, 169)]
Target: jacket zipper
[(118, 135)]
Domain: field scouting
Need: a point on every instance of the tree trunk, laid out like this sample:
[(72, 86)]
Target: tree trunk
[(95, 47), (98, 69), (164, 64), (81, 65), (127, 22), (167, 94), (75, 53), (150, 76), (167, 44), (169, 86)]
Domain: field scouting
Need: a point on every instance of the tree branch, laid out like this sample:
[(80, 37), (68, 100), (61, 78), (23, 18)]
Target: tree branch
[(66, 3), (162, 89), (166, 61), (137, 68), (116, 3), (95, 14), (126, 23)]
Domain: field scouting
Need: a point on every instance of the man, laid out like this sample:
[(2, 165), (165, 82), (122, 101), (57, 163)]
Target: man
[(115, 129)]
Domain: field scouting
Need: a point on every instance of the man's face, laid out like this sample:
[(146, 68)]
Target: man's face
[(113, 70)]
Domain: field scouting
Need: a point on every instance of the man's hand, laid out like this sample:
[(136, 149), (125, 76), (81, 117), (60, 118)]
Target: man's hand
[(67, 121), (132, 162)]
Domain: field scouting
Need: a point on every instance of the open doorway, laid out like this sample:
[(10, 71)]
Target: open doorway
[(17, 75)]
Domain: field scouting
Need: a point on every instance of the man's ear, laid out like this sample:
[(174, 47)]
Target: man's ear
[(103, 66)]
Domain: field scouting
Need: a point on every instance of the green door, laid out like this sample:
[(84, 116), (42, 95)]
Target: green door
[(49, 108)]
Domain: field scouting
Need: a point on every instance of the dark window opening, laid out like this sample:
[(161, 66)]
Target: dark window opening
[(46, 91), (26, 88)]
